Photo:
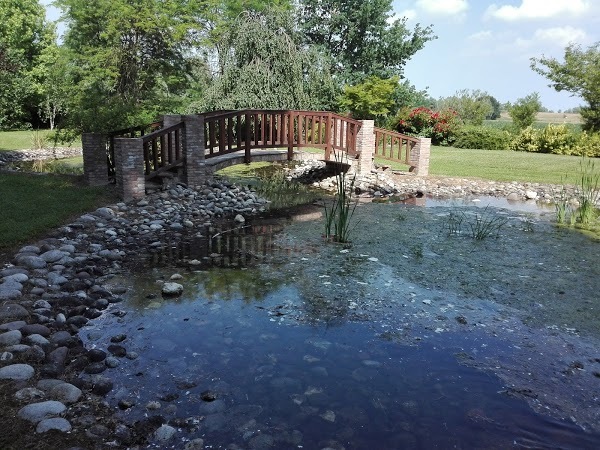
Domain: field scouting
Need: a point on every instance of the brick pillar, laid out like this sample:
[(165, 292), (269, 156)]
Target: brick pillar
[(129, 167), (95, 166), (171, 119), (193, 150), (365, 144), (419, 157)]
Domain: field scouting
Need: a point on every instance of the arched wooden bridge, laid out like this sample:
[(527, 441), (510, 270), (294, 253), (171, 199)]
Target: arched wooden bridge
[(194, 146)]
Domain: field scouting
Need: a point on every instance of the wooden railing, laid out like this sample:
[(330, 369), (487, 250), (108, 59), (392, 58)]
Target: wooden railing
[(163, 149), (394, 146), (232, 131), (131, 132)]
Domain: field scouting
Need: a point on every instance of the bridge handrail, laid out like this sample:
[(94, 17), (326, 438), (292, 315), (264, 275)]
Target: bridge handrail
[(131, 132), (163, 149), (231, 131), (393, 146)]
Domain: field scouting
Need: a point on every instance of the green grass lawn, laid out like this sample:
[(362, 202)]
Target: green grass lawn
[(21, 140), (500, 165), (503, 165), (33, 204)]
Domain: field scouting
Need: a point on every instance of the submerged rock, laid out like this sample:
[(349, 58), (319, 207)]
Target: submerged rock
[(171, 288)]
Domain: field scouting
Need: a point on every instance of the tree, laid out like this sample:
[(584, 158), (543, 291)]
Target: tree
[(127, 59), (579, 74), (495, 114), (472, 106), (361, 36), (218, 17), (24, 34), (523, 111), (371, 99), (266, 67)]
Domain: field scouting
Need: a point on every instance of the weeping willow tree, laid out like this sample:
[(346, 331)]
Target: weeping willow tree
[(265, 67)]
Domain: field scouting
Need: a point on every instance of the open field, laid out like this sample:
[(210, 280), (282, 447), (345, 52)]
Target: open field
[(547, 117)]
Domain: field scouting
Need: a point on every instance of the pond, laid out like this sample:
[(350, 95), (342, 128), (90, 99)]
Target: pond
[(410, 337)]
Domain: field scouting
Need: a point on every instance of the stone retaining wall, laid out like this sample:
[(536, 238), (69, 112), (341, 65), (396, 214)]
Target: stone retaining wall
[(45, 153)]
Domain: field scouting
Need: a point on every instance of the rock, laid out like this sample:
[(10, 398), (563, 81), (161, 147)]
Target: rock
[(101, 385), (96, 355), (172, 289), (35, 328), (37, 339), (239, 218), (117, 350), (196, 444), (16, 325), (531, 195), (153, 405), (11, 337), (118, 338), (36, 412), (29, 394), (55, 423), (31, 262), (13, 311), (58, 356), (65, 393), (164, 433), (112, 362), (16, 372), (53, 256)]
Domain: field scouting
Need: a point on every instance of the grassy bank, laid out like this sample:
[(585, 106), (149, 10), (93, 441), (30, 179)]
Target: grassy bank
[(33, 204)]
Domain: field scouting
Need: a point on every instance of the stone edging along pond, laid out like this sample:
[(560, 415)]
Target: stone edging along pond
[(54, 288)]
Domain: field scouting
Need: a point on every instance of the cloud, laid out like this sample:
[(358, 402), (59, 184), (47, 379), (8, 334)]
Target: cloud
[(560, 36), (538, 9), (480, 36), (443, 7)]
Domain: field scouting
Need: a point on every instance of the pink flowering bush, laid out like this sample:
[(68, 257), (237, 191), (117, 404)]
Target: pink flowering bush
[(440, 126)]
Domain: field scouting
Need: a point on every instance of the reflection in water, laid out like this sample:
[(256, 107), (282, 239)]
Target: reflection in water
[(226, 246)]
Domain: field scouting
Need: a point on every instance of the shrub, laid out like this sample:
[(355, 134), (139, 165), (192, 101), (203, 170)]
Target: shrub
[(526, 141), (472, 136), (588, 145), (557, 139), (439, 126)]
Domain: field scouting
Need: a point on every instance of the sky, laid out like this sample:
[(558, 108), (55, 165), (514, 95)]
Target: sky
[(487, 44)]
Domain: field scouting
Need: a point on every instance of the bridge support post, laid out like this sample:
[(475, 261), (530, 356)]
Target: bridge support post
[(193, 150), (419, 157), (95, 165), (129, 168), (365, 145)]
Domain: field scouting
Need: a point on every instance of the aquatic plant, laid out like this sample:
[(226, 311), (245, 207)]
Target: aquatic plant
[(338, 215), (561, 204), (479, 226), (486, 224), (454, 223), (589, 192)]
